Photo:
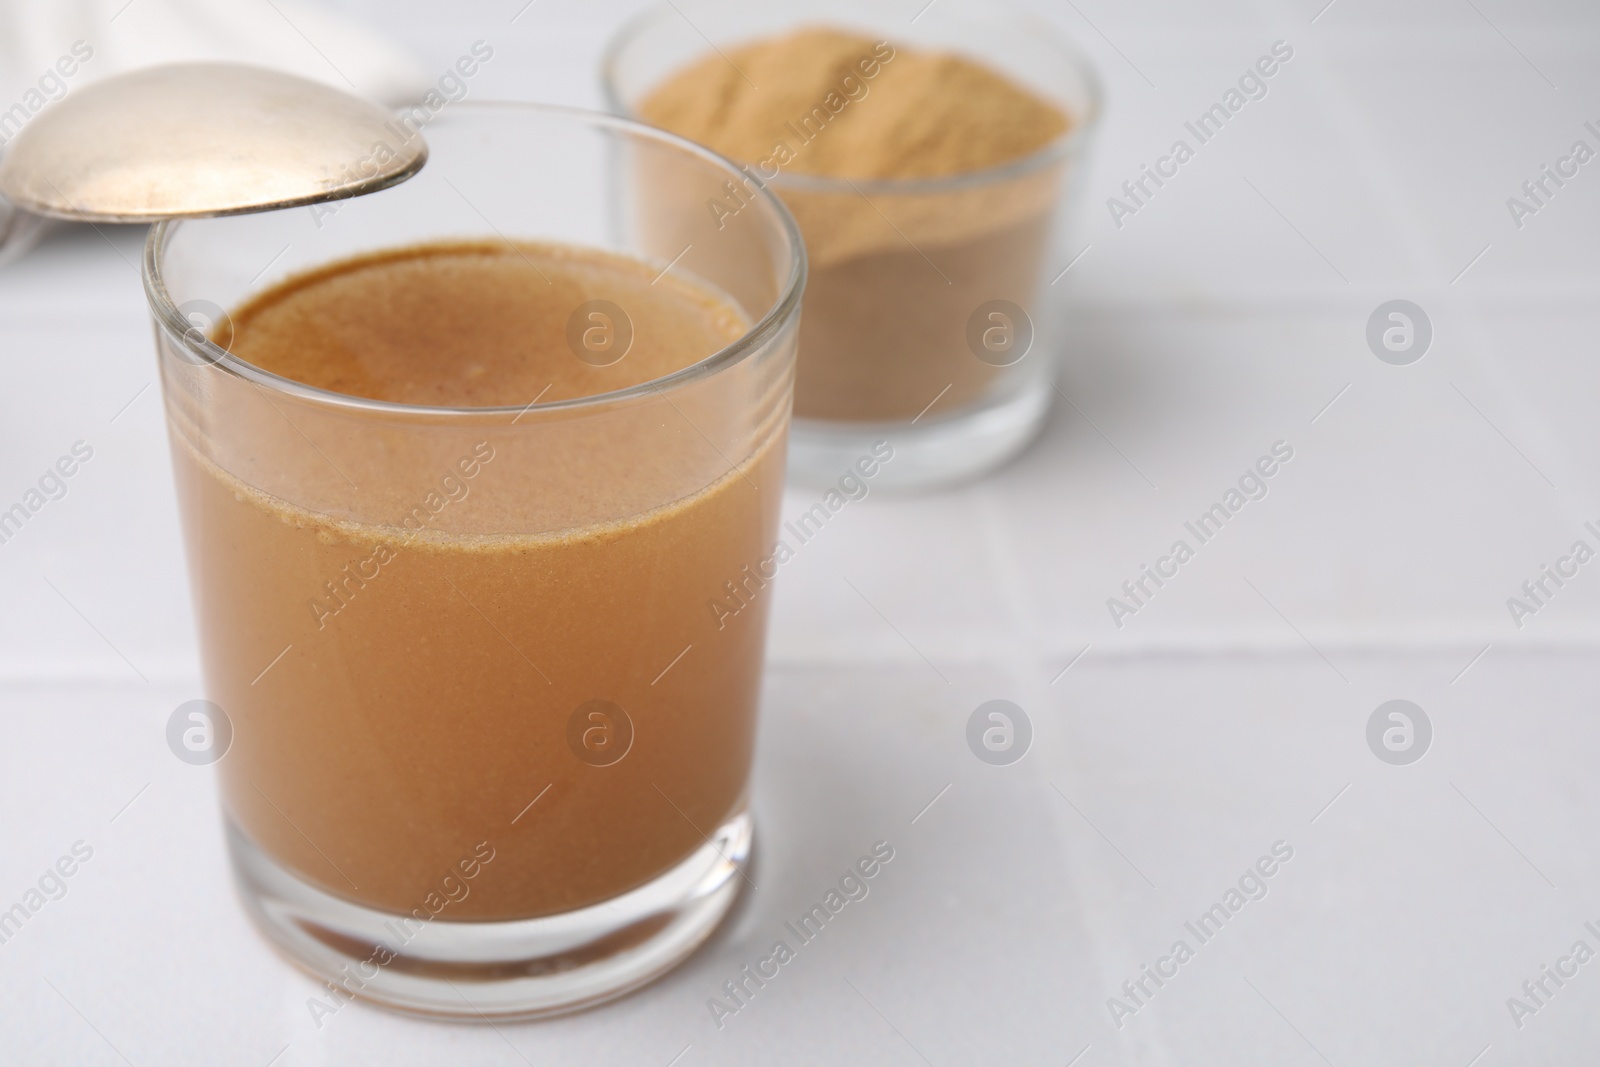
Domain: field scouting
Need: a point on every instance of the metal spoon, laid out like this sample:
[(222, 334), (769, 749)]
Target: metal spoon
[(198, 139)]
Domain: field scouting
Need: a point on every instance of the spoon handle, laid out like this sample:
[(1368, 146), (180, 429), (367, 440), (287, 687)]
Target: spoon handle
[(19, 230)]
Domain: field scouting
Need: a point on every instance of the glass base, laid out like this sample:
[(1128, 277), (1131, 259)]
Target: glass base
[(520, 969), (927, 454)]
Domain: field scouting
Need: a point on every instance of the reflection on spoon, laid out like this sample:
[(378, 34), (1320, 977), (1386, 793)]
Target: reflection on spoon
[(199, 139)]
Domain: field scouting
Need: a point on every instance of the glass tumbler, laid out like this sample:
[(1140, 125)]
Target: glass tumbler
[(484, 719), (933, 317)]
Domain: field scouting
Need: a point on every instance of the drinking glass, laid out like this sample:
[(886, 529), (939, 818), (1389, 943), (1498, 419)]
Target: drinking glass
[(483, 735), (933, 315)]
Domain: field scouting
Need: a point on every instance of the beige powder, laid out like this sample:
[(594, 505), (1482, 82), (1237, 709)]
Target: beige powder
[(930, 114), (895, 274)]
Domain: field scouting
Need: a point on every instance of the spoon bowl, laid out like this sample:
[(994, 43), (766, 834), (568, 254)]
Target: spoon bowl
[(192, 140)]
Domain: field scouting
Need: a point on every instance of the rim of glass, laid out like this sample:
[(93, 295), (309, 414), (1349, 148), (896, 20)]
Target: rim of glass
[(182, 332), (1063, 146)]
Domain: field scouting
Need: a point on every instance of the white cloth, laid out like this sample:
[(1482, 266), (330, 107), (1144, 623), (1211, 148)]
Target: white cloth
[(127, 34)]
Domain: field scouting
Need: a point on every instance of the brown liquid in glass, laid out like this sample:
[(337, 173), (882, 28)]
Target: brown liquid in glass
[(424, 703)]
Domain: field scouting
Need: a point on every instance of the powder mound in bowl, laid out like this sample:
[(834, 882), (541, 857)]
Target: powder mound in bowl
[(895, 274), (930, 114)]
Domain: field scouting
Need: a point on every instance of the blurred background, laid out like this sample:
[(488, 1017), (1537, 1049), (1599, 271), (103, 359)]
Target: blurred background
[(1171, 748)]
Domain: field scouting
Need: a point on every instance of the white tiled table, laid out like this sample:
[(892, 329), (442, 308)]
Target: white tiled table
[(1224, 717)]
